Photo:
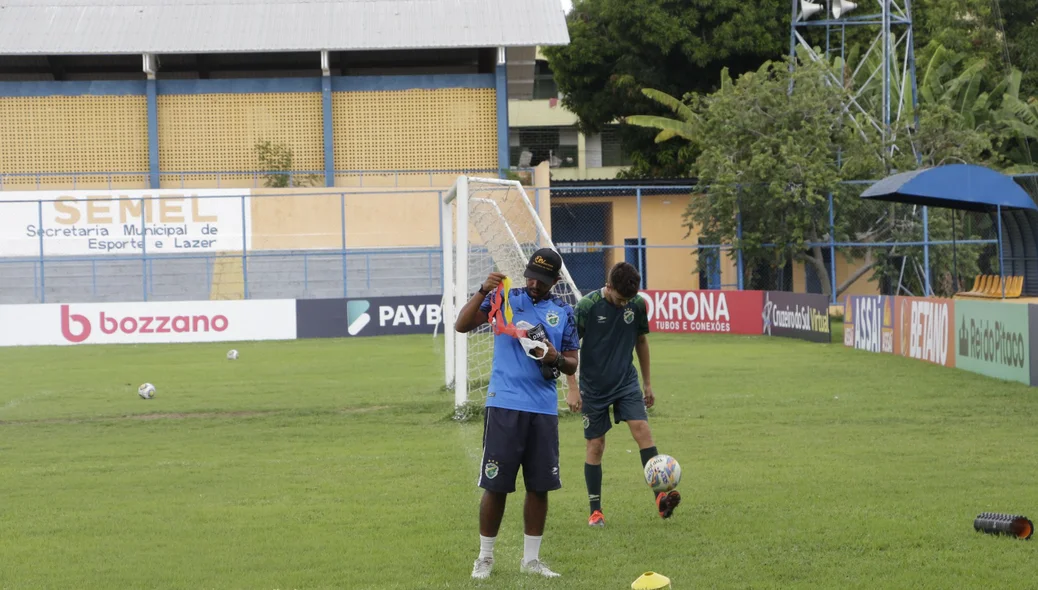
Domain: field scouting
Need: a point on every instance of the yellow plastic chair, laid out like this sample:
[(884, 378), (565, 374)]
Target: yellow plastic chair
[(985, 284), (1016, 287), (995, 290), (976, 285)]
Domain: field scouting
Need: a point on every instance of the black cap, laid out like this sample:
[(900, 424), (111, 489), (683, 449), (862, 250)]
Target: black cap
[(544, 266)]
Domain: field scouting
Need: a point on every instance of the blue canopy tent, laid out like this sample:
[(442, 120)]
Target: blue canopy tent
[(970, 187)]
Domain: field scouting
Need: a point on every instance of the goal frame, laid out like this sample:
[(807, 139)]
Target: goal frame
[(454, 211)]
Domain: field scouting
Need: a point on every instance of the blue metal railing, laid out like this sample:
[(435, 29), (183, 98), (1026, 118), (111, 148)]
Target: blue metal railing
[(252, 178), (359, 271)]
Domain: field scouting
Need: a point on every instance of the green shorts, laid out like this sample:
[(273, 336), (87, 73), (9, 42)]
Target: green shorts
[(628, 406)]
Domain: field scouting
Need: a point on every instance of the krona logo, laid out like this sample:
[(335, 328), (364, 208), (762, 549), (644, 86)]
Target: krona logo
[(137, 324), (689, 306)]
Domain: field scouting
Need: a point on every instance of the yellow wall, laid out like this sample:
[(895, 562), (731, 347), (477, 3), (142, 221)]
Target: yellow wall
[(377, 217), (220, 131), (73, 133), (667, 268), (539, 113), (863, 286), (442, 129)]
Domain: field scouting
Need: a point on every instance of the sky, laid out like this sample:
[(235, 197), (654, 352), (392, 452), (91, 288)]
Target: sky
[(566, 5)]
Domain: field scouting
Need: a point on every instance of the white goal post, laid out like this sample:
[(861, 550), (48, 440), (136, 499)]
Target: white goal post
[(488, 225)]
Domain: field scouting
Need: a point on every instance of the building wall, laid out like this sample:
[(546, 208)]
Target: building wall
[(671, 258), (48, 134), (416, 129), (202, 132), (863, 286), (375, 217), (445, 123)]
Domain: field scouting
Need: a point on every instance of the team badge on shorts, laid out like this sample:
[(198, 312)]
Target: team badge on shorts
[(552, 318), (628, 316), (491, 469), (587, 421)]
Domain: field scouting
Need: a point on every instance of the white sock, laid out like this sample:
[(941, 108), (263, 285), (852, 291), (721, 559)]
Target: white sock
[(531, 548), (486, 546)]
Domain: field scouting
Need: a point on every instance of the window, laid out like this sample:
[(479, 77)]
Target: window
[(613, 153), (558, 145), (544, 85)]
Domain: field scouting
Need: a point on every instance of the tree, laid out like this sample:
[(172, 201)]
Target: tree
[(618, 47), (769, 160), (1004, 33), (278, 159)]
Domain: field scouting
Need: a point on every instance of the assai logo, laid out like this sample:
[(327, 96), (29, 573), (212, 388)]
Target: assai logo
[(357, 316), (872, 324)]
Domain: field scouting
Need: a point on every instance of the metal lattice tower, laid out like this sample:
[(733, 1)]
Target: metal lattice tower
[(884, 97)]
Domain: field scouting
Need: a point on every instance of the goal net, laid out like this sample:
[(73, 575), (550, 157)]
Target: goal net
[(488, 225)]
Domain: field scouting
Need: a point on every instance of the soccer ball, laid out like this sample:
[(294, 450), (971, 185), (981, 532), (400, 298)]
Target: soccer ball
[(146, 391), (662, 473), (232, 355)]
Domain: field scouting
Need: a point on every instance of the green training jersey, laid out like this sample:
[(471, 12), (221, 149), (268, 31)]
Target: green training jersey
[(609, 334)]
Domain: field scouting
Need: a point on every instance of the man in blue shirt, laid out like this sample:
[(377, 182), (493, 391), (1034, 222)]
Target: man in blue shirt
[(521, 420)]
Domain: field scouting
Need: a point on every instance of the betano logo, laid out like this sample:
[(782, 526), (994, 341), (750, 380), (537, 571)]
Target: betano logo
[(357, 316)]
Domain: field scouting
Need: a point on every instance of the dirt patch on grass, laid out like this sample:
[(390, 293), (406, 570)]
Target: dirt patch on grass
[(191, 416), (185, 415), (362, 410)]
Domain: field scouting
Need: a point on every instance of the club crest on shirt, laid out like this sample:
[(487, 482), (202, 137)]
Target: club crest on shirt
[(552, 318), (491, 469), (628, 316)]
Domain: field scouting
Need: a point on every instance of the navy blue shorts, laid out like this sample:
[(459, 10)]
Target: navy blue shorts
[(626, 407), (511, 439)]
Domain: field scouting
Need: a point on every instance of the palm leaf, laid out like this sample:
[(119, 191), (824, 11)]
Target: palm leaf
[(680, 108), (669, 127), (1023, 112)]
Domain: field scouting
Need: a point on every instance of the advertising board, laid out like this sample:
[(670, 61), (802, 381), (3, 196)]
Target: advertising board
[(869, 323), (924, 329), (993, 339), (796, 315), (147, 322), (374, 316), (689, 312), (120, 222)]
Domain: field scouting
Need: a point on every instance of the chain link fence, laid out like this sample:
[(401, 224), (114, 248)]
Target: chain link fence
[(370, 242)]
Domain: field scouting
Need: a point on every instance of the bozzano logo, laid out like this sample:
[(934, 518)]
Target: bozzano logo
[(357, 316), (144, 324)]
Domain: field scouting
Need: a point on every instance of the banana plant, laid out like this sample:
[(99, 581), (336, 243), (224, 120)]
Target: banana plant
[(683, 126)]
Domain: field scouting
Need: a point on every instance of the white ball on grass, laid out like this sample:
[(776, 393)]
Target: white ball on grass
[(146, 391), (232, 355)]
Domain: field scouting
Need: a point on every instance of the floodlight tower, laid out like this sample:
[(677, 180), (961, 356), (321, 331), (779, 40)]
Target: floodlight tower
[(891, 46)]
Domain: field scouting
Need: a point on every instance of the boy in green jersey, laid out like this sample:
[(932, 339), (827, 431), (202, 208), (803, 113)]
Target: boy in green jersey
[(613, 323)]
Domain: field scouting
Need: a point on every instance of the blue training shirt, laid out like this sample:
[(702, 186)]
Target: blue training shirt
[(516, 382)]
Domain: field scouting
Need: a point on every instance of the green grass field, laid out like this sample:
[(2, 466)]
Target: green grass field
[(333, 464)]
